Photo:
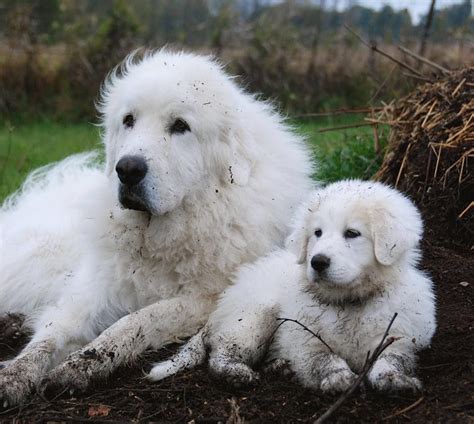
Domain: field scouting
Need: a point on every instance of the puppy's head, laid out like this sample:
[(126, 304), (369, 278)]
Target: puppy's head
[(172, 124), (349, 233)]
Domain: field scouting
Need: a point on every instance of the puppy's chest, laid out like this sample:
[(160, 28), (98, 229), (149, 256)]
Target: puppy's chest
[(349, 331)]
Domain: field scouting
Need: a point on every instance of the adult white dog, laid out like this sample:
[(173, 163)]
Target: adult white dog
[(349, 267), (200, 178)]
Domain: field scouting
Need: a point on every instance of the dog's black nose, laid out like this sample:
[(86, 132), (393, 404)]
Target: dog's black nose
[(131, 169), (320, 262)]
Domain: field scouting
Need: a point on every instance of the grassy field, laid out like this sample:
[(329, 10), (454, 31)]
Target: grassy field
[(341, 154)]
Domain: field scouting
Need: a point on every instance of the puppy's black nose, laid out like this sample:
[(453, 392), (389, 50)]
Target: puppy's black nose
[(320, 262), (131, 169)]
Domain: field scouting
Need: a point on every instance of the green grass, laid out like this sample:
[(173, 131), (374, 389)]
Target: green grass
[(341, 154), (26, 147), (345, 153)]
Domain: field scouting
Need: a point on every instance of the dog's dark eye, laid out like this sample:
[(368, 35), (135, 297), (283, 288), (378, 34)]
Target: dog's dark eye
[(350, 233), (318, 233), (128, 120), (179, 126)]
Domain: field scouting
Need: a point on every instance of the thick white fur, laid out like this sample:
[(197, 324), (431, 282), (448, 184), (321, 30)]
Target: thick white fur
[(349, 305), (220, 195)]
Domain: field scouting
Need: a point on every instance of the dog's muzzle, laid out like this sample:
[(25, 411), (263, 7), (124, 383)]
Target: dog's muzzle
[(131, 171)]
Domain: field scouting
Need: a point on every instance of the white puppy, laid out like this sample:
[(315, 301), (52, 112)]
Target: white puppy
[(350, 264), (195, 168)]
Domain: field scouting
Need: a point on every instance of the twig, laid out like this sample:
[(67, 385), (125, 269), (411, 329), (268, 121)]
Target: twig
[(381, 86), (283, 320), (345, 127), (338, 112), (374, 47), (369, 362), (404, 410), (426, 32), (424, 60), (466, 209), (424, 79)]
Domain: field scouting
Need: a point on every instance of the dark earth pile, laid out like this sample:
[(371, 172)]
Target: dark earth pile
[(431, 154)]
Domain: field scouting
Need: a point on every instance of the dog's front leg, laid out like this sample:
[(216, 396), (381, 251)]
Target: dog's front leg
[(153, 326), (21, 375)]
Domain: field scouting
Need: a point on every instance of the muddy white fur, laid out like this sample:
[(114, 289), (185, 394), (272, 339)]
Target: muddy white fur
[(217, 167), (350, 264)]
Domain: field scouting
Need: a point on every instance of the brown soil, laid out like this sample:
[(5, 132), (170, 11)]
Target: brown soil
[(447, 371)]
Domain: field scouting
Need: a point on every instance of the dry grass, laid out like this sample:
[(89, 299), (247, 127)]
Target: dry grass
[(431, 150)]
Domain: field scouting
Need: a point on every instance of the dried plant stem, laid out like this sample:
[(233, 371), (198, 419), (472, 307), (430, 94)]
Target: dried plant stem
[(424, 60), (405, 410), (374, 47), (346, 127)]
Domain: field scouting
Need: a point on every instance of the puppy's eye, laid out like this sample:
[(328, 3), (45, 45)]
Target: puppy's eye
[(128, 120), (318, 233), (350, 233), (180, 126)]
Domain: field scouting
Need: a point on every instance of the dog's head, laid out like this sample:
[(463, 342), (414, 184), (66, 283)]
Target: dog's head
[(172, 127), (350, 232)]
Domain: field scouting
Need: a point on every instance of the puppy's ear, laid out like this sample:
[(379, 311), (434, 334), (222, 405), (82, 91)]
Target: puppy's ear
[(297, 241), (394, 235)]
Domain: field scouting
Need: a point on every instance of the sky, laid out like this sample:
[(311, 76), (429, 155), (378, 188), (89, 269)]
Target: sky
[(417, 8)]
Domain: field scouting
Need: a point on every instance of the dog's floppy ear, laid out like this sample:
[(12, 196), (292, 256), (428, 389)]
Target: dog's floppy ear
[(395, 231), (297, 241)]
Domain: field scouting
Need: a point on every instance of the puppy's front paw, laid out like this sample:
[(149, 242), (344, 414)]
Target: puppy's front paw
[(280, 367), (394, 381), (338, 381), (236, 373)]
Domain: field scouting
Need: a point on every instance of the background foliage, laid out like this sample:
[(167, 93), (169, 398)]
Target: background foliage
[(55, 53)]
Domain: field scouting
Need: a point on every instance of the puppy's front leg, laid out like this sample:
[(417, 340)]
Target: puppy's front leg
[(154, 326), (394, 369), (323, 371)]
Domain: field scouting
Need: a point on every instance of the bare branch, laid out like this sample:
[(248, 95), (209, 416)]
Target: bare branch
[(374, 47), (424, 60), (346, 127)]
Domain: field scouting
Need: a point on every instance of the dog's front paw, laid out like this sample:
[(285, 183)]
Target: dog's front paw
[(338, 381), (16, 384), (71, 376), (394, 381)]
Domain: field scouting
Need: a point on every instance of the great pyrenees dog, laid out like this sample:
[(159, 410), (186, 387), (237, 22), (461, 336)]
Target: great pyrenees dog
[(349, 266), (199, 178)]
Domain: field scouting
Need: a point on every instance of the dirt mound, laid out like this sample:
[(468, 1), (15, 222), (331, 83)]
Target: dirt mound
[(431, 154)]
